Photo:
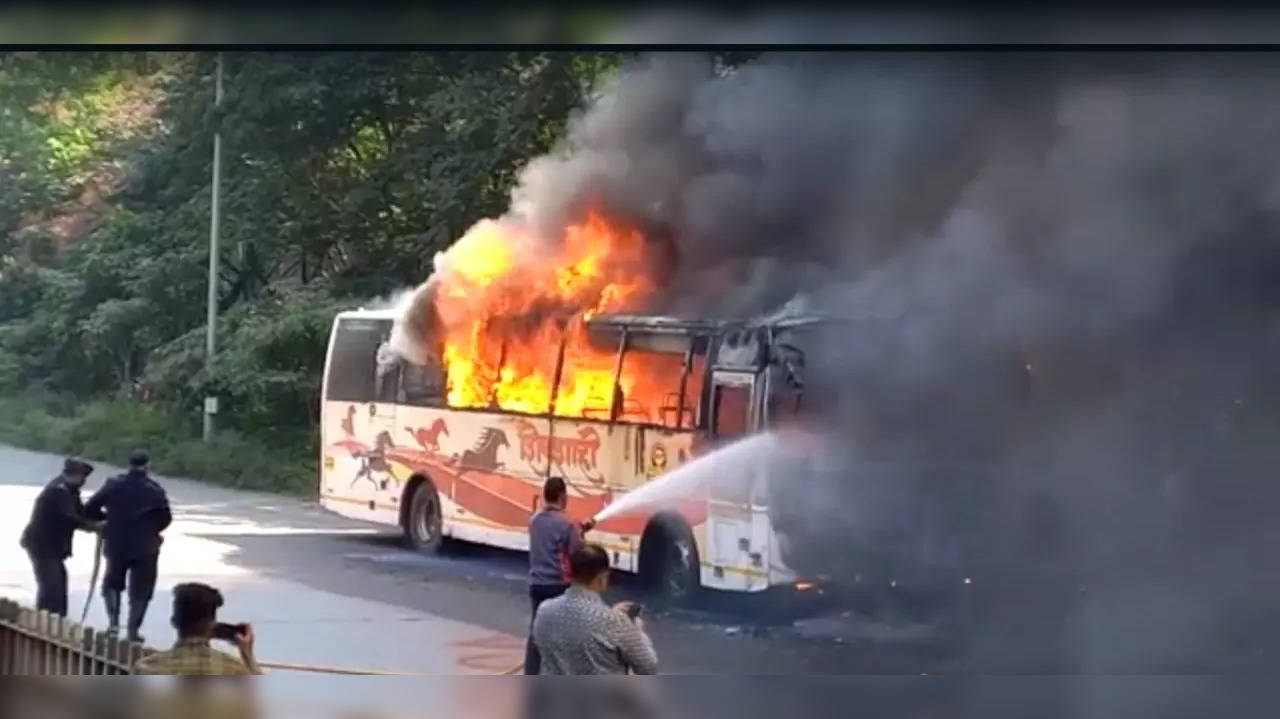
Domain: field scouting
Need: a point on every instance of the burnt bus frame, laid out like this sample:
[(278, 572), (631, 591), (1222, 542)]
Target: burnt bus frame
[(713, 333)]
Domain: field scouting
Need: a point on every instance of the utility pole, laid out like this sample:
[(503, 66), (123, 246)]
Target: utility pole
[(210, 345)]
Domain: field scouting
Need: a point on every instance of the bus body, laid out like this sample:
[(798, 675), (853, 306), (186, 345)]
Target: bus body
[(394, 452)]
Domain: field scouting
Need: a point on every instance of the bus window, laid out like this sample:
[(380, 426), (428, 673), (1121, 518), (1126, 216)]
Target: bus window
[(692, 397), (731, 405), (650, 388), (422, 385), (786, 373), (784, 397), (352, 373), (386, 379)]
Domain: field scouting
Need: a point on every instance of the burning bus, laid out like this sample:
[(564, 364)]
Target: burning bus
[(450, 445)]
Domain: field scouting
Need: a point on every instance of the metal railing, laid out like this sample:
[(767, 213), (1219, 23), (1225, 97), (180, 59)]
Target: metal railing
[(35, 643), (39, 643)]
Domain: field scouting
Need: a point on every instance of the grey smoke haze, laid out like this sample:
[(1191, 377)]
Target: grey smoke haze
[(984, 203), (962, 26), (1073, 259), (796, 172)]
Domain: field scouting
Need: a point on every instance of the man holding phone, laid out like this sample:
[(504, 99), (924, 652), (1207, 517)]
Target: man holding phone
[(195, 616), (577, 633)]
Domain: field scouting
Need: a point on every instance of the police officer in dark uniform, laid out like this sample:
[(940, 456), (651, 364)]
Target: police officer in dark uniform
[(137, 511), (56, 516)]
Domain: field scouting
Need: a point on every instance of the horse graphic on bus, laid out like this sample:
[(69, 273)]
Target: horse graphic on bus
[(477, 478)]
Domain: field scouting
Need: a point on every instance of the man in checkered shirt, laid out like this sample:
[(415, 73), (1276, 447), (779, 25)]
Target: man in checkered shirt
[(195, 611), (577, 633)]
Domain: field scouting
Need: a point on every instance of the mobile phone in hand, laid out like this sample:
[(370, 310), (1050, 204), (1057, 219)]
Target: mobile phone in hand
[(228, 632), (634, 610)]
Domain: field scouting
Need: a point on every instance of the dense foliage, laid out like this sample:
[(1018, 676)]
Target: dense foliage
[(343, 174)]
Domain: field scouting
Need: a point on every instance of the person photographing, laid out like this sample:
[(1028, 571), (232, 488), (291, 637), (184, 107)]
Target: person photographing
[(577, 633), (195, 617), (57, 514)]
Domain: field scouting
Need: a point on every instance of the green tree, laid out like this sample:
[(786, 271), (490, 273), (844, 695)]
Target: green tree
[(344, 174)]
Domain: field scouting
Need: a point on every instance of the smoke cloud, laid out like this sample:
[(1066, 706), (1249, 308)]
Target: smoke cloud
[(1061, 373)]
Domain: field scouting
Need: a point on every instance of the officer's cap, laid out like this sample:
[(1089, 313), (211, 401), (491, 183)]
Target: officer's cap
[(77, 467)]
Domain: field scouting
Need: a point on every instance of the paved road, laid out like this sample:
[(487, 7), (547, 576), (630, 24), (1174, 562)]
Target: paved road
[(214, 535), (328, 591)]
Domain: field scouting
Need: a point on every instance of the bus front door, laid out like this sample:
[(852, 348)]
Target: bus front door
[(736, 550)]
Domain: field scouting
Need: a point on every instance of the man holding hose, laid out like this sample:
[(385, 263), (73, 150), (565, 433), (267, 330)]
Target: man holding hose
[(552, 538)]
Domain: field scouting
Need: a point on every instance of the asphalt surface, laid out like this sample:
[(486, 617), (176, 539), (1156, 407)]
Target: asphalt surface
[(330, 592), (322, 590)]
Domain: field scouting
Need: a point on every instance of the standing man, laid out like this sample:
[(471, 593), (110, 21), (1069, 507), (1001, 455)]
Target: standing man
[(137, 511), (552, 537), (577, 633), (56, 516)]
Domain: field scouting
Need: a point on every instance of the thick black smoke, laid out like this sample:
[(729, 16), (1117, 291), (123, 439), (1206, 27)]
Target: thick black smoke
[(1064, 275), (734, 165)]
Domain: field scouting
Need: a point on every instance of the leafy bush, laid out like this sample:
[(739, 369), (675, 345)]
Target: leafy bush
[(108, 430), (267, 374)]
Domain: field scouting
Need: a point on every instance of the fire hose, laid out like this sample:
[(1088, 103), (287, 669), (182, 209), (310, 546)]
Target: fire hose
[(93, 578)]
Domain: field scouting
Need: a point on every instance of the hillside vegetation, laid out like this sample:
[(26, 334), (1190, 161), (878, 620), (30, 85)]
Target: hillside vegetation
[(343, 174)]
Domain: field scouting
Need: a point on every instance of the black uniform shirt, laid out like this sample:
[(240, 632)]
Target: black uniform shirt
[(136, 509), (56, 516)]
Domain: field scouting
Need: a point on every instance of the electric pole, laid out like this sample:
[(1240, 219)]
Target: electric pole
[(210, 345)]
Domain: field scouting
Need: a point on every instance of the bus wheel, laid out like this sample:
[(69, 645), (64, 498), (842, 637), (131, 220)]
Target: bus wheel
[(422, 526), (669, 559)]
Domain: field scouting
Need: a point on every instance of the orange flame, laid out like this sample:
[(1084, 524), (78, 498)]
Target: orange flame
[(506, 301)]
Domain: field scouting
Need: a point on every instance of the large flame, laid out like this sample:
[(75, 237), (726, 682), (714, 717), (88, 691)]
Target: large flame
[(505, 301)]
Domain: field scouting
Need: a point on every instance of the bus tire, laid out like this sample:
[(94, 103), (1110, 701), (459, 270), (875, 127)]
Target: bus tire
[(669, 559), (423, 527)]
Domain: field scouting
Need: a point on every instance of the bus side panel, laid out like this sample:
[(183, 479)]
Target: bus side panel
[(421, 450), (357, 423), (737, 542), (731, 526), (779, 572), (353, 481), (596, 460), (488, 490), (630, 457), (740, 543), (322, 479)]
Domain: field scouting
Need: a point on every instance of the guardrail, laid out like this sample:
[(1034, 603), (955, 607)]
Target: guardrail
[(39, 643), (35, 643)]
